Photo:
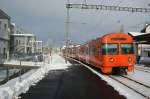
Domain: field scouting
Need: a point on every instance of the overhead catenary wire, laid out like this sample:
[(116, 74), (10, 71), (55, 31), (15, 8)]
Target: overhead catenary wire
[(84, 1), (132, 13), (106, 17), (101, 24), (138, 25)]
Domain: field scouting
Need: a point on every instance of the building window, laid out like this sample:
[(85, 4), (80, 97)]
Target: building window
[(4, 51), (148, 54), (0, 24), (5, 26), (19, 41)]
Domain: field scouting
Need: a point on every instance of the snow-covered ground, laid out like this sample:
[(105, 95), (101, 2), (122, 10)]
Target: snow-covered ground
[(21, 84)]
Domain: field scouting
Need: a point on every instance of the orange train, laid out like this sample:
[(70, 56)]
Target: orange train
[(111, 53)]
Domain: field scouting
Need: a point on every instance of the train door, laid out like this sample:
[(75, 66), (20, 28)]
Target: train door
[(87, 53), (100, 54)]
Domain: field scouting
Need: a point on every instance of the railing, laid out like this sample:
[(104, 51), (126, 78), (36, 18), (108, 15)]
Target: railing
[(27, 57), (22, 58)]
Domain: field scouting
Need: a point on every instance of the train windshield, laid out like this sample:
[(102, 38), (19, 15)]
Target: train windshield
[(109, 49), (127, 48)]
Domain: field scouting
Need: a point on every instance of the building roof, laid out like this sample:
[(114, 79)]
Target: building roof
[(3, 15), (138, 37), (137, 33), (37, 41)]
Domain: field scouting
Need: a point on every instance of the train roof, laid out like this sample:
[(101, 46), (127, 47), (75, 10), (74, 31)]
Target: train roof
[(98, 38), (110, 34)]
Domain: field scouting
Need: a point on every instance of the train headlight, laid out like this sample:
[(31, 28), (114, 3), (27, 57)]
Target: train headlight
[(129, 59), (111, 59)]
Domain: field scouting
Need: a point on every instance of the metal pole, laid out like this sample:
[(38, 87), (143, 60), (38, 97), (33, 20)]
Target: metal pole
[(20, 73), (25, 44), (85, 2), (67, 32), (7, 73)]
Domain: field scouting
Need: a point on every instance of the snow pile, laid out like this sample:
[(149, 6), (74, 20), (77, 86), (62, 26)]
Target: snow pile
[(19, 85)]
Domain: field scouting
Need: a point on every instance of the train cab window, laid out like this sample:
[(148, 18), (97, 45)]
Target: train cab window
[(127, 48), (109, 49)]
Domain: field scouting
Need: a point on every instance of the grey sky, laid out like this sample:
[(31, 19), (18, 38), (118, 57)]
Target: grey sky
[(46, 18)]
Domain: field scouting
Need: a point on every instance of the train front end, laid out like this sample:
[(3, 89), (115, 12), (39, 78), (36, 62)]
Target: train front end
[(117, 54)]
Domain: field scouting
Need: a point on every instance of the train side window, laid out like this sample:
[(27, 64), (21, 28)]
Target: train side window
[(82, 51), (100, 49), (90, 50), (87, 50), (94, 50)]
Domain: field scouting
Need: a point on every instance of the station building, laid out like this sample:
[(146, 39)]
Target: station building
[(142, 44)]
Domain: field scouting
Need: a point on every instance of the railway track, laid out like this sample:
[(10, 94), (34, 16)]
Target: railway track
[(145, 69), (136, 81), (134, 85)]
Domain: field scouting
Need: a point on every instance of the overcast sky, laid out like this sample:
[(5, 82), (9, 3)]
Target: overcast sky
[(46, 18)]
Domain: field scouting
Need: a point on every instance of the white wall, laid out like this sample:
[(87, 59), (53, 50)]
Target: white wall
[(142, 52), (4, 36), (4, 33)]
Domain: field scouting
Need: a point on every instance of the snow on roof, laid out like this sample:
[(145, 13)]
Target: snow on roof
[(39, 41), (13, 24), (63, 47), (23, 34), (77, 45), (137, 33)]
